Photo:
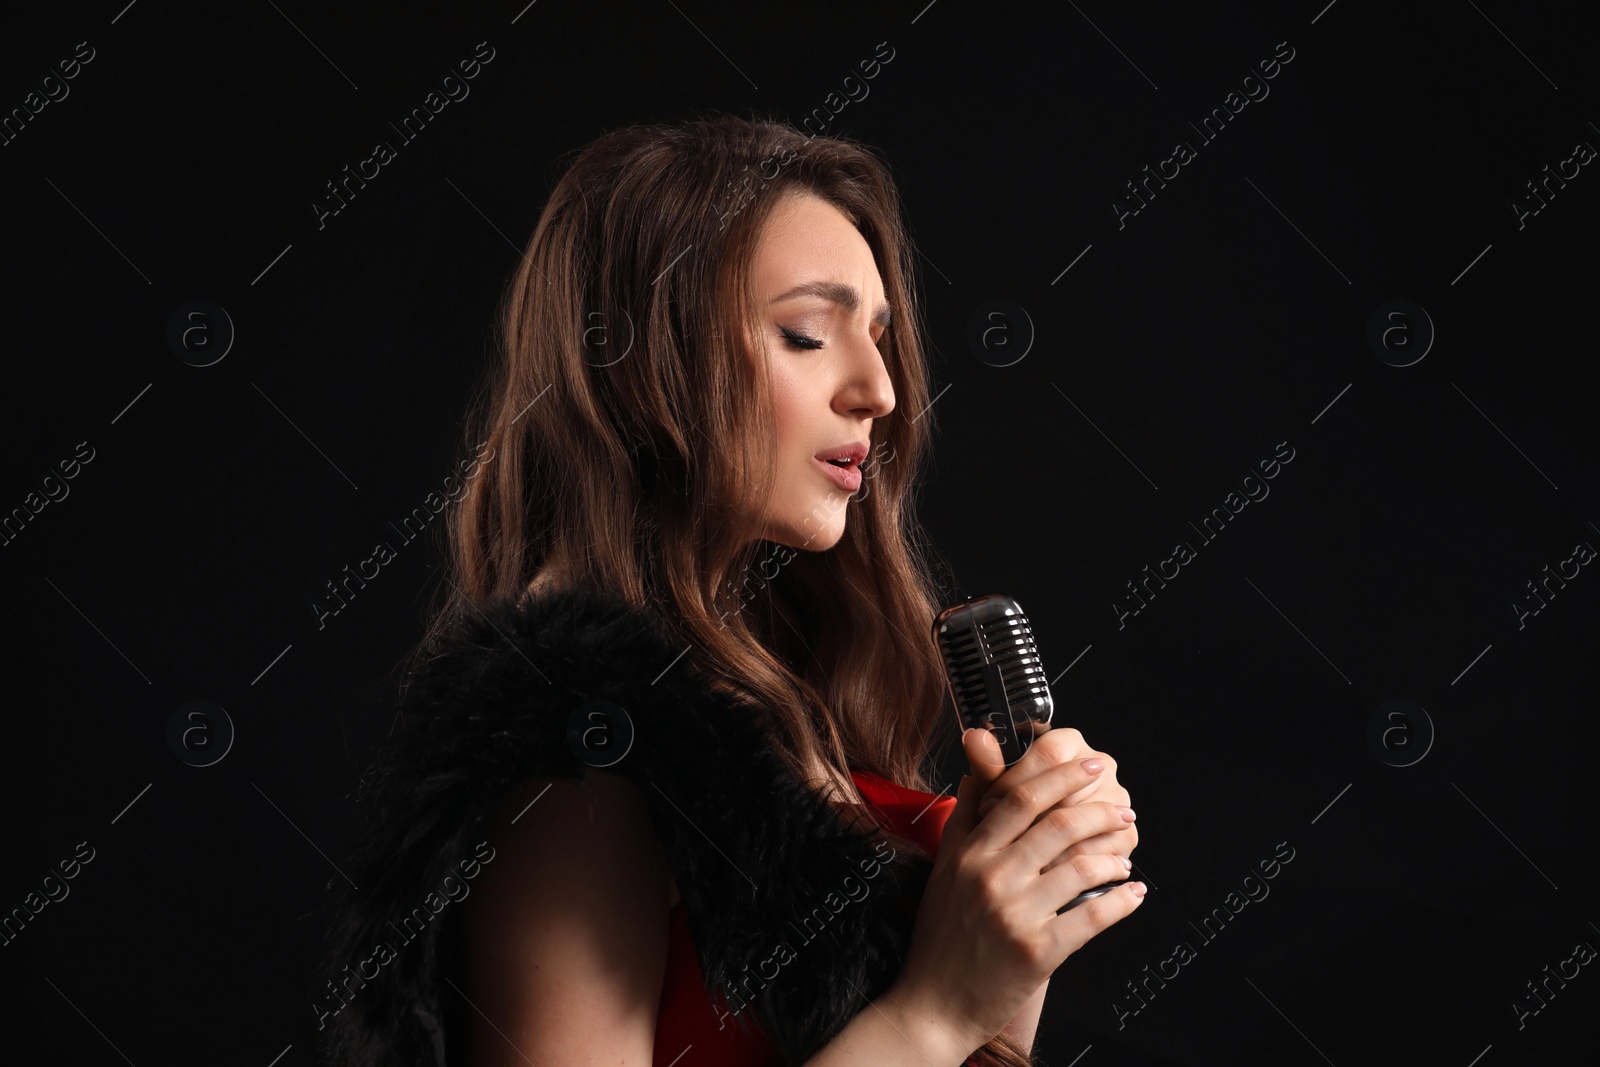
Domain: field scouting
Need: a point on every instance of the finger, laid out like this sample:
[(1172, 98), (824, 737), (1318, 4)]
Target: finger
[(1091, 769), (963, 817), (1116, 842), (983, 756), (1053, 745), (1071, 930), (1048, 746), (1107, 781), (1060, 745), (1035, 758), (1024, 804), (1056, 888), (1046, 839)]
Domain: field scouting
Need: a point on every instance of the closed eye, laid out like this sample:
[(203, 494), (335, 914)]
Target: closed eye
[(799, 340)]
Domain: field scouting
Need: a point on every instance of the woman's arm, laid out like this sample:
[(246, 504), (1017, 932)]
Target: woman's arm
[(1024, 1025), (567, 929), (897, 1031), (893, 1032)]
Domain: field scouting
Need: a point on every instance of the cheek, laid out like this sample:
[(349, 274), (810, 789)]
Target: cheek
[(789, 413)]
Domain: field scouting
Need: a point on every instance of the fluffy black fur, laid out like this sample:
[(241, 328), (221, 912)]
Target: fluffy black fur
[(752, 848)]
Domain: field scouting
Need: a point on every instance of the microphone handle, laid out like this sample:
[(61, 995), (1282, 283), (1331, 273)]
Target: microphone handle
[(1088, 894)]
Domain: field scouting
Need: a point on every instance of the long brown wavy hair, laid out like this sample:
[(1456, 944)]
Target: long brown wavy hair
[(627, 442)]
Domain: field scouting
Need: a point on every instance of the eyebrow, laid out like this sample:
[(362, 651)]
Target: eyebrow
[(839, 293)]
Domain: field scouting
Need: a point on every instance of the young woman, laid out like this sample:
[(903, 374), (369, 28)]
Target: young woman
[(657, 790)]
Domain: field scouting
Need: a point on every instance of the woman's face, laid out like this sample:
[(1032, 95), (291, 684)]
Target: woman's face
[(821, 314)]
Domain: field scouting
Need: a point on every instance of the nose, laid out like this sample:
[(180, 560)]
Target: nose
[(867, 392)]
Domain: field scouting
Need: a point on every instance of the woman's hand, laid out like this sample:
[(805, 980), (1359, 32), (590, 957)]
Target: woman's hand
[(988, 931), (1050, 749)]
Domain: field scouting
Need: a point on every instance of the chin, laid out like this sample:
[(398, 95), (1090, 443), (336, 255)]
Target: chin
[(814, 538), (823, 540)]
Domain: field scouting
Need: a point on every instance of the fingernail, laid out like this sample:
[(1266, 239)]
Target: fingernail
[(1127, 864), (1127, 813), (1093, 766), (1138, 889)]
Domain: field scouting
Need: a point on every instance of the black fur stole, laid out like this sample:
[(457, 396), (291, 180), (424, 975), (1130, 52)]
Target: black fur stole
[(507, 695)]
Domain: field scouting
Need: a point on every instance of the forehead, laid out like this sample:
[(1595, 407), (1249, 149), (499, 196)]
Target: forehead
[(808, 239)]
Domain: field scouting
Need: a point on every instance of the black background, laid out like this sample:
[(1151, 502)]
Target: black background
[(1178, 351)]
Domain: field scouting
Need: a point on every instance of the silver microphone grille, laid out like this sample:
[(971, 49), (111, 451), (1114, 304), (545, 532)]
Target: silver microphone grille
[(996, 678)]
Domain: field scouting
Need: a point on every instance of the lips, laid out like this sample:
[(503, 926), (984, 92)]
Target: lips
[(845, 468), (854, 451), (846, 478)]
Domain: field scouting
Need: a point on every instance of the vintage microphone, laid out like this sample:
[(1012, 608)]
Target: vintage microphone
[(997, 681)]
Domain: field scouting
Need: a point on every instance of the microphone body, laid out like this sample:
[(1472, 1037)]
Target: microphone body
[(997, 681)]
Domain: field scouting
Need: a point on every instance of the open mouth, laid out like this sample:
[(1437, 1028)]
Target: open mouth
[(843, 472)]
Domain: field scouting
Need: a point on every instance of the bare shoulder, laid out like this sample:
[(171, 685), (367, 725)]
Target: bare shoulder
[(567, 929)]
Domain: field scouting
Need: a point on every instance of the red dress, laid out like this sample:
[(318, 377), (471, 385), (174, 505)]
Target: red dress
[(687, 1017)]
